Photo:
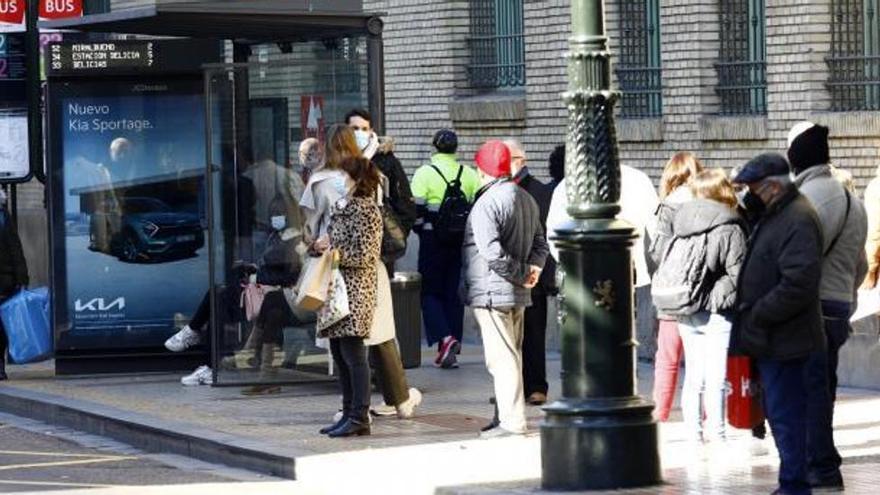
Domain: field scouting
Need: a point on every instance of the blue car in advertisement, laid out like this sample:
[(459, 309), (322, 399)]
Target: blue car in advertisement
[(142, 229)]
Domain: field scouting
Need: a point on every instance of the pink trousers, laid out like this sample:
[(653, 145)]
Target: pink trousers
[(666, 366)]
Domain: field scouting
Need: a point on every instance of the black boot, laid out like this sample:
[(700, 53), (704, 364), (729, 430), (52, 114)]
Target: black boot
[(327, 429), (351, 428), (3, 367)]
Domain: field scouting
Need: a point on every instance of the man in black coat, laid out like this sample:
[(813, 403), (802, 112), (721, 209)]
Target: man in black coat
[(780, 321), (401, 197), (13, 270), (535, 319)]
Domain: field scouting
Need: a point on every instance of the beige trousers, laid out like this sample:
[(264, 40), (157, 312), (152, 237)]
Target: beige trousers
[(502, 332)]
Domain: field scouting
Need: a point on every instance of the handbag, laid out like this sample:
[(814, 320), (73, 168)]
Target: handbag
[(26, 319), (744, 409), (312, 289), (393, 234), (252, 296), (336, 306)]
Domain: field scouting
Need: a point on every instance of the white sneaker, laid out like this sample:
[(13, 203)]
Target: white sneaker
[(383, 410), (408, 408), (183, 340), (201, 376)]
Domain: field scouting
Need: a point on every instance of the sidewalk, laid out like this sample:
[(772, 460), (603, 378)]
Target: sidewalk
[(436, 452)]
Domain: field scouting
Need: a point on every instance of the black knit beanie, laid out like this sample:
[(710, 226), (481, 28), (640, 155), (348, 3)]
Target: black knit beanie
[(808, 148)]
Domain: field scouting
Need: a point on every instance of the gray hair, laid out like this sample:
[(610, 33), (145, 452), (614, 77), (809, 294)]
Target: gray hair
[(513, 143)]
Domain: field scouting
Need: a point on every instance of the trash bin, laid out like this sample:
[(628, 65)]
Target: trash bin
[(406, 288)]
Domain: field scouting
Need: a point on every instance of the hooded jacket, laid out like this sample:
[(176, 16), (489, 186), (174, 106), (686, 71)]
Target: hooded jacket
[(663, 232), (844, 266), (703, 260), (504, 236), (725, 249)]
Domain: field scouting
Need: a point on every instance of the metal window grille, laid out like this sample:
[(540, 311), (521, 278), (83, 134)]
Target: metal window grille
[(496, 44), (96, 6), (854, 64), (638, 68), (742, 68)]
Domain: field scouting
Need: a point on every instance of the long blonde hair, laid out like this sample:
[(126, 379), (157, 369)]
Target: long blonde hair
[(715, 185), (683, 166)]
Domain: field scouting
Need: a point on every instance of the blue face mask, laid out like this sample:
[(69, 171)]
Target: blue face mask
[(279, 222), (363, 139)]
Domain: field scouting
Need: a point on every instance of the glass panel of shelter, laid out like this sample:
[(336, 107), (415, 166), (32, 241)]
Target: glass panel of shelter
[(261, 113)]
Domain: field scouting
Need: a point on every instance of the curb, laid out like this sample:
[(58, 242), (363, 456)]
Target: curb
[(148, 434)]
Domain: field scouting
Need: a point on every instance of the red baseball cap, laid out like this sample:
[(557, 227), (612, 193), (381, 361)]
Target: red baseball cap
[(493, 159)]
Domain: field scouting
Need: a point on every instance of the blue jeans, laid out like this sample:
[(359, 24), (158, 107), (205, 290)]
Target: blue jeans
[(785, 400), (706, 337), (821, 381), (442, 309)]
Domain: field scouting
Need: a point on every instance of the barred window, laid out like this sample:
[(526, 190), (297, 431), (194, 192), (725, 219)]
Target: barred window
[(96, 6), (638, 67), (496, 44), (742, 68), (854, 64)]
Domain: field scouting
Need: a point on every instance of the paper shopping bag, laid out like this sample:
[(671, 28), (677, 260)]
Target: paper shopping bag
[(336, 307), (312, 290)]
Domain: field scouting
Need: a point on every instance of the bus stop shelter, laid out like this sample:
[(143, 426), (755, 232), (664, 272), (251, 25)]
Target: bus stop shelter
[(287, 70)]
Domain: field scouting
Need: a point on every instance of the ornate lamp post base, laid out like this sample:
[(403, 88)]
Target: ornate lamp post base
[(600, 435)]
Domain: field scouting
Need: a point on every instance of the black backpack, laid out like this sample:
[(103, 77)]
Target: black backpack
[(451, 219)]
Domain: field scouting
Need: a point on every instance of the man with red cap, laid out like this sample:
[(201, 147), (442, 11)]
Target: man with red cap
[(504, 253)]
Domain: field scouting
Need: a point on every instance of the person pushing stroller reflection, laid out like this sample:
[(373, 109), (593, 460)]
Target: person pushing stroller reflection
[(258, 297)]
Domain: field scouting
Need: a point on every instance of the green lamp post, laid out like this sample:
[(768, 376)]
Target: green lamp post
[(600, 434)]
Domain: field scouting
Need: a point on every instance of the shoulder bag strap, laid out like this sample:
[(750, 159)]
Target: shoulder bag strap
[(842, 227)]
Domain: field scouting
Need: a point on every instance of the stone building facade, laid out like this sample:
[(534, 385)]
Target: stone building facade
[(428, 51)]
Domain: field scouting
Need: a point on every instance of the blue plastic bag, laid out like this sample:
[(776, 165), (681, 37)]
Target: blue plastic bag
[(26, 320)]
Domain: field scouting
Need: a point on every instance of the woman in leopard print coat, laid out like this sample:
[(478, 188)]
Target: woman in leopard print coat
[(356, 231)]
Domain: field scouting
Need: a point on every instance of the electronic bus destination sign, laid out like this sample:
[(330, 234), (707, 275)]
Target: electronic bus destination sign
[(87, 57), (128, 57)]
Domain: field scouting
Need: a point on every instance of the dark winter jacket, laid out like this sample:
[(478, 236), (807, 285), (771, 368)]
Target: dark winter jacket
[(280, 263), (722, 252), (663, 234), (504, 236), (778, 290), (542, 194), (401, 198), (13, 267)]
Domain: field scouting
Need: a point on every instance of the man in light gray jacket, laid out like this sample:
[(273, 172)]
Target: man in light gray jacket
[(504, 253), (844, 225)]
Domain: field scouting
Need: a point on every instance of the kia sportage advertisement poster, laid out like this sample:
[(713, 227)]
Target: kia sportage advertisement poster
[(130, 248)]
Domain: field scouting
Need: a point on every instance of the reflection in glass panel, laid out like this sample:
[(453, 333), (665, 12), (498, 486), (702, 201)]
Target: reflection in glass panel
[(261, 112)]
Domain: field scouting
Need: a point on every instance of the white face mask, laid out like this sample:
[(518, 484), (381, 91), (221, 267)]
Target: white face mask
[(363, 139), (279, 222)]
